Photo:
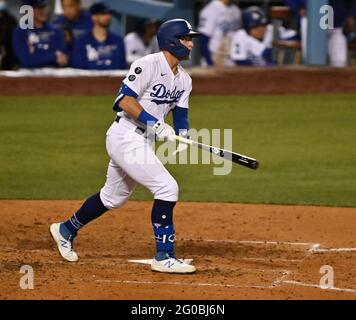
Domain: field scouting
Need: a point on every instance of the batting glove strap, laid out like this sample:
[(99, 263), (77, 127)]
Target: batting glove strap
[(163, 131)]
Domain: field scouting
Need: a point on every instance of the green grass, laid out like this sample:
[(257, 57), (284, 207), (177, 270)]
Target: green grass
[(54, 148)]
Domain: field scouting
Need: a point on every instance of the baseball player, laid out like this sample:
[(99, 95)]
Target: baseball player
[(217, 21), (42, 46), (99, 49), (142, 41), (155, 85), (252, 45)]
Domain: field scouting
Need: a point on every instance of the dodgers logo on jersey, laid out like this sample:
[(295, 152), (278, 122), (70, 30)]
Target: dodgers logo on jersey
[(164, 96)]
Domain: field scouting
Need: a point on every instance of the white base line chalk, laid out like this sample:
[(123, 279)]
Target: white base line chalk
[(184, 284), (319, 250), (317, 286), (265, 242)]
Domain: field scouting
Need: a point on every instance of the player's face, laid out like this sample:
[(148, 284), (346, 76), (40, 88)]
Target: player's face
[(40, 14), (227, 2), (102, 20), (187, 41), (71, 9), (258, 32)]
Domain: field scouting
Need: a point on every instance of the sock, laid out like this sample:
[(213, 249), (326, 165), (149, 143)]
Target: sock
[(163, 228), (91, 209)]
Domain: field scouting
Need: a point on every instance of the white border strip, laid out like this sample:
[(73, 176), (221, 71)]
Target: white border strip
[(317, 286), (308, 244), (318, 250), (199, 284)]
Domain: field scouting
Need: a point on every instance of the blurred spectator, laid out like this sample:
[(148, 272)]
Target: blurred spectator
[(217, 21), (74, 21), (8, 23), (252, 46), (344, 23), (142, 41), (42, 46), (99, 49)]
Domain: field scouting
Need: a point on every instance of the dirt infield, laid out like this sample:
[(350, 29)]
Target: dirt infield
[(240, 251), (241, 81)]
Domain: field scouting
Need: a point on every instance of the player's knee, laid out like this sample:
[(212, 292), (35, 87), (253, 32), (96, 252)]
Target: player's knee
[(168, 191), (113, 201)]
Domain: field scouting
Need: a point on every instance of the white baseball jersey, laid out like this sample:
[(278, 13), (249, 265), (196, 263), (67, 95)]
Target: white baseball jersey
[(336, 44), (246, 47), (158, 90), (133, 161), (218, 21), (135, 48)]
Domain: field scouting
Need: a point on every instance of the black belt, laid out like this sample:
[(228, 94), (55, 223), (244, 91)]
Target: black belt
[(137, 130)]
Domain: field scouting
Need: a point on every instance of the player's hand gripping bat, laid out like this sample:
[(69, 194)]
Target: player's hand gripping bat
[(226, 154)]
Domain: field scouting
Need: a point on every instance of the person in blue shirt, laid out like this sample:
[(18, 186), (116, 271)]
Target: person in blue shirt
[(42, 46), (74, 21), (99, 49)]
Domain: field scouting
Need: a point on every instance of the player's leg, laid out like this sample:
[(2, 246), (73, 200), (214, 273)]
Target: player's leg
[(337, 48), (144, 167), (114, 194)]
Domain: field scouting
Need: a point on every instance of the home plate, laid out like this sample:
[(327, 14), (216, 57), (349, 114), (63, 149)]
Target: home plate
[(149, 261)]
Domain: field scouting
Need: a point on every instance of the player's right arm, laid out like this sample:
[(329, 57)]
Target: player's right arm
[(133, 86)]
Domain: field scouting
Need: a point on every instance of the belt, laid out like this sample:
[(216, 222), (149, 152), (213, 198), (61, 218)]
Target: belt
[(137, 130)]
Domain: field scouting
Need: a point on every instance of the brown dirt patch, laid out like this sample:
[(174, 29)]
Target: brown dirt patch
[(240, 81), (221, 238)]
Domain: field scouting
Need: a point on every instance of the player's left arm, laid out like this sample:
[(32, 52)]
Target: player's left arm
[(180, 112), (181, 117)]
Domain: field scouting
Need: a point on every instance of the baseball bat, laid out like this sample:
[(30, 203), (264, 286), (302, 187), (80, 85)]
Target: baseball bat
[(226, 154)]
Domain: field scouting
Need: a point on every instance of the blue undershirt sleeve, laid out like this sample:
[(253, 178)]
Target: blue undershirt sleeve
[(180, 119)]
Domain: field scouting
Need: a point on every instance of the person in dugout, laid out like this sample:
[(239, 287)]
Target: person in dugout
[(42, 46), (99, 49)]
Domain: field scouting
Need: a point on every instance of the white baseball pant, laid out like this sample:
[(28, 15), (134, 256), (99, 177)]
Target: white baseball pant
[(133, 161)]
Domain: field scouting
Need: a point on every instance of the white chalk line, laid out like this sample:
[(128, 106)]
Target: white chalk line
[(272, 260), (277, 282), (198, 284), (284, 273), (322, 250), (310, 245), (316, 286)]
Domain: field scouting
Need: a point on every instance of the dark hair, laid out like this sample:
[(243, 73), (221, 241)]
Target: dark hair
[(77, 1)]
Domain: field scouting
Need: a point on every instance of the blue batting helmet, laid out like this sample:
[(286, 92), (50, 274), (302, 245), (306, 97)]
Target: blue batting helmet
[(253, 16), (169, 33)]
